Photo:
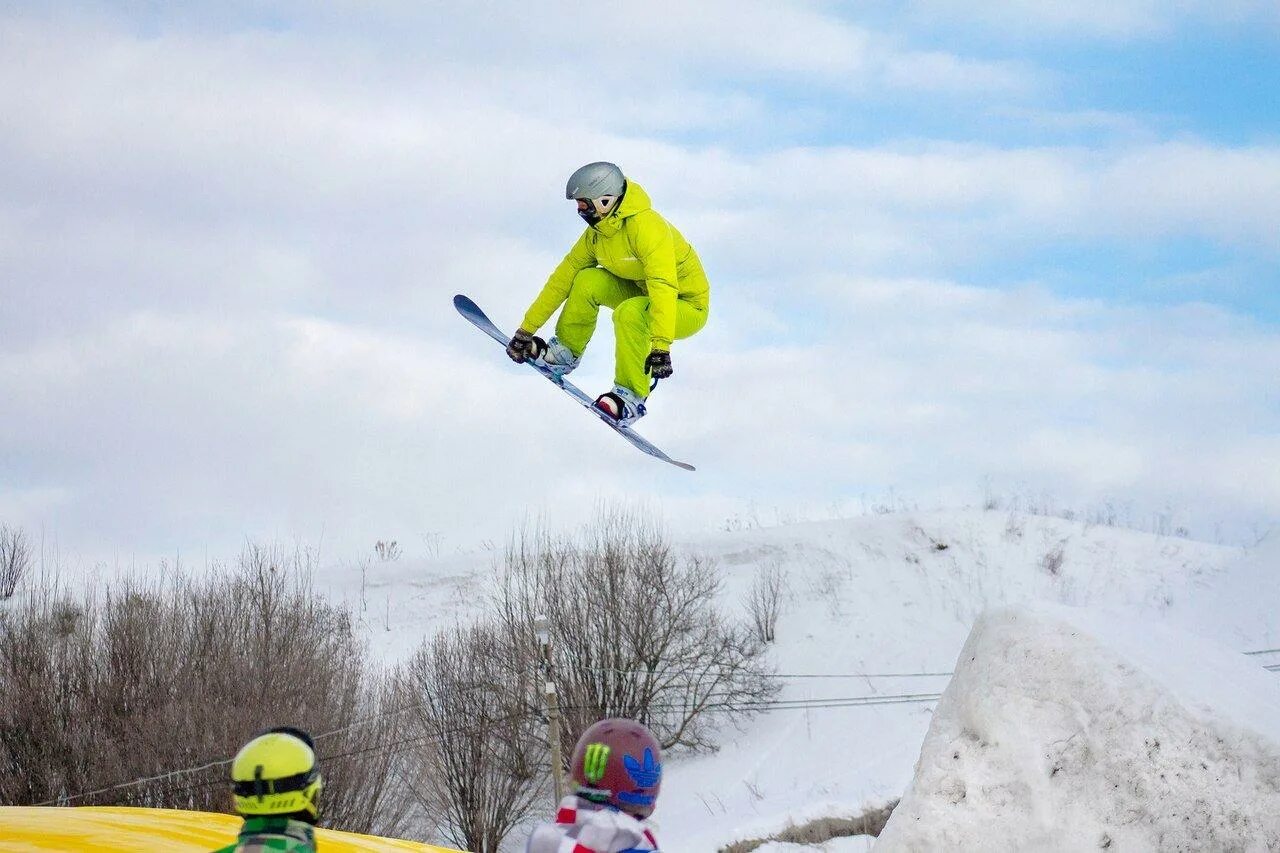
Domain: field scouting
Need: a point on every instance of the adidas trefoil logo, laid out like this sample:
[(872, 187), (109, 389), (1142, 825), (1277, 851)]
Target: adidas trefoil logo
[(645, 775)]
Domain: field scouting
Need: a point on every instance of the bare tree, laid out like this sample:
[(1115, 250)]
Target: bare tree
[(764, 601), (482, 760), (15, 559), (148, 680), (636, 631)]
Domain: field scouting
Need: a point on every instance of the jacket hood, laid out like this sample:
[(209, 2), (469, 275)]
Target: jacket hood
[(634, 201)]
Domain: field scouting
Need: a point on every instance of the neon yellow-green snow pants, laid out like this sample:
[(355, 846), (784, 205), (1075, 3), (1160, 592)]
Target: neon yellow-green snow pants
[(595, 287)]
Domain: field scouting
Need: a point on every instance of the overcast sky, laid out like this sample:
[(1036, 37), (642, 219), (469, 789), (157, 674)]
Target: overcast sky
[(1030, 248)]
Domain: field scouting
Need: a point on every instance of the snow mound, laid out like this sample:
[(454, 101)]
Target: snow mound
[(1063, 730)]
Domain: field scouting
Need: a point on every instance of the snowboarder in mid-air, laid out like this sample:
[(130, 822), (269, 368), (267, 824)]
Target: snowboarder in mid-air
[(631, 260), (617, 766)]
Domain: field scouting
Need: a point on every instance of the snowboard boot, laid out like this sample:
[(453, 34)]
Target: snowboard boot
[(621, 405), (554, 356)]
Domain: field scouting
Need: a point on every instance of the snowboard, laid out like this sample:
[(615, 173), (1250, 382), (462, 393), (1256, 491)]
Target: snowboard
[(480, 320)]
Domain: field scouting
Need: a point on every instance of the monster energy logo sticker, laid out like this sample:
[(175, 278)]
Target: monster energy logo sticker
[(594, 761)]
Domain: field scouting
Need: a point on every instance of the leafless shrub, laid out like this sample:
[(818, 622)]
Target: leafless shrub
[(432, 540), (1107, 515), (635, 630), (935, 544), (1052, 561), (143, 680), (388, 552), (15, 559), (483, 761), (764, 601)]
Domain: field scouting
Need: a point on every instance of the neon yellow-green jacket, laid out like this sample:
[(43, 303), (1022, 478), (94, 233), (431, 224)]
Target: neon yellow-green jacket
[(634, 243)]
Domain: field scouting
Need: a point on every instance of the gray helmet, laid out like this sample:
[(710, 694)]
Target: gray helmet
[(597, 187)]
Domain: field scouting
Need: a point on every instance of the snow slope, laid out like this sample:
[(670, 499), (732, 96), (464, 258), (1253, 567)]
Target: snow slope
[(897, 594), (1065, 730), (872, 603)]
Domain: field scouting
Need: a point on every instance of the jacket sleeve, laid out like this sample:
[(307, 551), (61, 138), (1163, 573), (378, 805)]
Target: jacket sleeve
[(556, 290), (607, 832), (651, 239)]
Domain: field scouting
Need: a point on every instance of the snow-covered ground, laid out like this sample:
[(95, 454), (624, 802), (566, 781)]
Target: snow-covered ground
[(874, 606), (1066, 730)]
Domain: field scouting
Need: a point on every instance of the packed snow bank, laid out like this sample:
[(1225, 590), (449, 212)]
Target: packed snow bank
[(1062, 730)]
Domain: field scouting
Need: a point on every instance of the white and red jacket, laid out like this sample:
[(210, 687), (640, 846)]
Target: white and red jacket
[(582, 826)]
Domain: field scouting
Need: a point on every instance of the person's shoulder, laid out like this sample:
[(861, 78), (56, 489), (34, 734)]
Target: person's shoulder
[(570, 809), (269, 844), (646, 224), (287, 845), (546, 837), (645, 217), (641, 834)]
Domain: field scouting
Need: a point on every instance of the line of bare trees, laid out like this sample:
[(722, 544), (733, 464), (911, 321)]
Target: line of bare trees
[(144, 678)]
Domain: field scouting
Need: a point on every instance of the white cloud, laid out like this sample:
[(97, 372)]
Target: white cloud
[(938, 71), (1126, 126), (228, 258), (166, 431), (1109, 19), (924, 209), (928, 385)]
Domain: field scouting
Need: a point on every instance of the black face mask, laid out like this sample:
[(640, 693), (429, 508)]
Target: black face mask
[(588, 213), (590, 216)]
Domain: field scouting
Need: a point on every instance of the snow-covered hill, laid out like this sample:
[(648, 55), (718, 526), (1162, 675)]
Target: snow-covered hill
[(875, 606)]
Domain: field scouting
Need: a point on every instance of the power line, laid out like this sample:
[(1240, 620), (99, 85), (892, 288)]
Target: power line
[(866, 675), (770, 706), (797, 675), (729, 705), (402, 745), (765, 706), (223, 762), (135, 783)]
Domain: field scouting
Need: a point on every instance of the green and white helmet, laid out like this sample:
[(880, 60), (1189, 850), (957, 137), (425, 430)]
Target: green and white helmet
[(597, 187)]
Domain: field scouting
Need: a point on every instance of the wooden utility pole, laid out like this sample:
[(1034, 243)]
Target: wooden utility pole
[(542, 627)]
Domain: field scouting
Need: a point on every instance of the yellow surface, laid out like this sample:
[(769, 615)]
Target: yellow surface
[(91, 828)]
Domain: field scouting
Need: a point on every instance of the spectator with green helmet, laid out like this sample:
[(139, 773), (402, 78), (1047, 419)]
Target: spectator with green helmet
[(276, 786)]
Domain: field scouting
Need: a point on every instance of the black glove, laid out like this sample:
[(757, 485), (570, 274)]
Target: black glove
[(521, 346), (658, 364)]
